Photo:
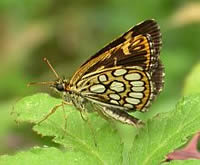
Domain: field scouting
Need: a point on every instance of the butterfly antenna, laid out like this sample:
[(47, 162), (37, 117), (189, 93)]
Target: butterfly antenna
[(40, 83), (51, 67), (48, 82)]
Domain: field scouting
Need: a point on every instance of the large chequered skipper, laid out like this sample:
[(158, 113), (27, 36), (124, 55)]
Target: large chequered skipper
[(123, 77)]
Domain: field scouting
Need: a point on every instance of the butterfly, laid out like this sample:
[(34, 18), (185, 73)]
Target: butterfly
[(123, 77)]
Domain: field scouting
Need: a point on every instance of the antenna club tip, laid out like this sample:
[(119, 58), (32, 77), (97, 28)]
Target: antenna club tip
[(45, 59)]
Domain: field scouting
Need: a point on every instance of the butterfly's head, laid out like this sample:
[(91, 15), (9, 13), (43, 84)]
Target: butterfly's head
[(60, 85)]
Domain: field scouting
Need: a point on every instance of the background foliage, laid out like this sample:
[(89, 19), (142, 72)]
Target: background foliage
[(69, 32)]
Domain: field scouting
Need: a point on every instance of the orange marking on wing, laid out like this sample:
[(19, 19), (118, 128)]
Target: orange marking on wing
[(138, 43)]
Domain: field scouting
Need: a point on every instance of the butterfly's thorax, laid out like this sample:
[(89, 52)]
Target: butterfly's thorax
[(73, 96)]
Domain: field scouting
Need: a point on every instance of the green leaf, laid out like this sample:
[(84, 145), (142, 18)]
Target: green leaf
[(35, 156), (47, 156), (192, 84), (95, 139), (166, 132)]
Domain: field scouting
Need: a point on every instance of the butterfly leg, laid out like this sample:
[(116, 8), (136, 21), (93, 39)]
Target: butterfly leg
[(53, 110), (84, 116), (92, 131), (121, 116), (80, 103)]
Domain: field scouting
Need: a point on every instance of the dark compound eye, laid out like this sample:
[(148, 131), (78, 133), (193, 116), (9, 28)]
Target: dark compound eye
[(59, 87)]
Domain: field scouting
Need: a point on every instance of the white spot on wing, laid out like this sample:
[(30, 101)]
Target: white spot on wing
[(137, 83), (136, 95), (117, 86), (114, 96), (138, 89), (98, 88), (119, 72), (114, 102), (103, 78), (133, 76), (132, 100), (128, 105)]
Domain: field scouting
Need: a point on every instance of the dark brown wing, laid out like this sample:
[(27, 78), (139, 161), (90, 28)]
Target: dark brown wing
[(147, 27), (140, 46)]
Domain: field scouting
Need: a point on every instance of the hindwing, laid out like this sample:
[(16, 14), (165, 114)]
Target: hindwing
[(126, 88)]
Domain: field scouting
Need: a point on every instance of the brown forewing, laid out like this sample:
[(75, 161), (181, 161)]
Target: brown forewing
[(140, 46)]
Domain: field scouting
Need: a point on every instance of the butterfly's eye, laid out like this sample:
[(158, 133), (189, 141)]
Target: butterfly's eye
[(60, 87)]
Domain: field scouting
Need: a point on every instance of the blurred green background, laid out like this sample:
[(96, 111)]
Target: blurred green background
[(68, 33)]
